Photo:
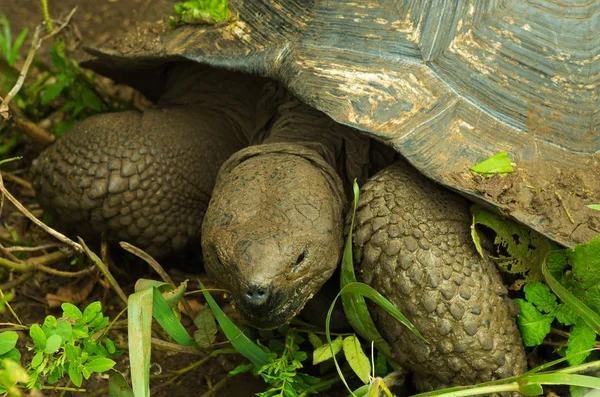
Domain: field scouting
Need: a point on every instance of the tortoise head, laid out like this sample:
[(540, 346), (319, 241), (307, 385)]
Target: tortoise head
[(272, 234)]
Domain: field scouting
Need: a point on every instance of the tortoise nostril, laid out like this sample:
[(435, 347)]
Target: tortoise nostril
[(256, 294)]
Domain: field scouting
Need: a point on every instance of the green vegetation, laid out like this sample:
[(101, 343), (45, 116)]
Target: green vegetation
[(75, 344), (497, 164), (193, 12), (547, 273), (8, 49), (61, 91)]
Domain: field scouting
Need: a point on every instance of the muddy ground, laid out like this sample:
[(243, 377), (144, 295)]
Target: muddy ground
[(95, 21)]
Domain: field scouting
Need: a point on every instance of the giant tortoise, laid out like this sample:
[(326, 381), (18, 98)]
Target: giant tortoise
[(289, 102)]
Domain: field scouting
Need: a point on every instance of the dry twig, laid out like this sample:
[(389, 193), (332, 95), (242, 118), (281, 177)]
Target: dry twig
[(158, 268), (47, 229)]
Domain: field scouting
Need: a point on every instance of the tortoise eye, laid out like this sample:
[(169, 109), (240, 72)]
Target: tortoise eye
[(214, 253), (300, 259)]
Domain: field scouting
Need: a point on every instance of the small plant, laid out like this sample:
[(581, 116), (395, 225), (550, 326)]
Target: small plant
[(79, 98), (281, 372), (73, 344), (9, 49)]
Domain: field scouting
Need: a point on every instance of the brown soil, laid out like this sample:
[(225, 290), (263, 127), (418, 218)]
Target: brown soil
[(548, 197), (95, 21)]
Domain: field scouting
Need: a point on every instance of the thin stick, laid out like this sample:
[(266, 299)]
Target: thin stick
[(104, 269), (59, 236), (15, 179), (18, 248), (16, 282), (35, 45), (36, 263)]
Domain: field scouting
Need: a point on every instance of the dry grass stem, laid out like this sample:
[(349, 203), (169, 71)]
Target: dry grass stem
[(59, 236), (158, 268), (25, 184)]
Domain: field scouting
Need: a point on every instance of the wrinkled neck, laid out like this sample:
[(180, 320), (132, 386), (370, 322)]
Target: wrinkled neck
[(248, 101), (343, 148)]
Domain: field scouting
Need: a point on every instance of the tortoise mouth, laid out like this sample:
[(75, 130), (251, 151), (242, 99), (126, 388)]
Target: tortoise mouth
[(290, 305)]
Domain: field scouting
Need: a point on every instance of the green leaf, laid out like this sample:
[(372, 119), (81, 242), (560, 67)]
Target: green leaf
[(37, 359), (14, 56), (51, 92), (207, 328), (64, 330), (167, 319), (240, 369), (74, 372), (90, 312), (118, 386), (110, 346), (582, 338), (526, 249), (565, 315), (324, 352), (591, 318), (585, 260), (369, 292), (541, 296), (71, 311), (72, 352), (57, 59), (8, 340), (497, 164), (357, 359), (314, 340), (594, 206), (534, 325), (139, 316), (557, 262), (53, 344), (99, 364), (201, 12), (240, 342), (38, 336), (91, 100), (355, 306), (13, 355)]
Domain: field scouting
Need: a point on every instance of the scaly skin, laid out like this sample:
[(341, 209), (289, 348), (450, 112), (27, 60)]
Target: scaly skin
[(412, 243), (272, 233), (134, 176)]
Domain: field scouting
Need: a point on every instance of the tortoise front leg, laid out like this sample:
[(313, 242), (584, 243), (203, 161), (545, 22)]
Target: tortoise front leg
[(145, 178), (412, 243)]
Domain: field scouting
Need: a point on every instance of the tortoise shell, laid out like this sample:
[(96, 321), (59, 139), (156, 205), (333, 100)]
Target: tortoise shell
[(447, 84)]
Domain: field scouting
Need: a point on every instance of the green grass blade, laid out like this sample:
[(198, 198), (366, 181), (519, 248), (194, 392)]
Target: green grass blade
[(561, 379), (368, 292), (14, 54), (238, 339), (139, 316), (591, 318), (7, 40), (167, 319), (354, 305)]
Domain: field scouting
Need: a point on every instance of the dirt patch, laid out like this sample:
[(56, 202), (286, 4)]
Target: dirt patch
[(95, 21), (550, 197)]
